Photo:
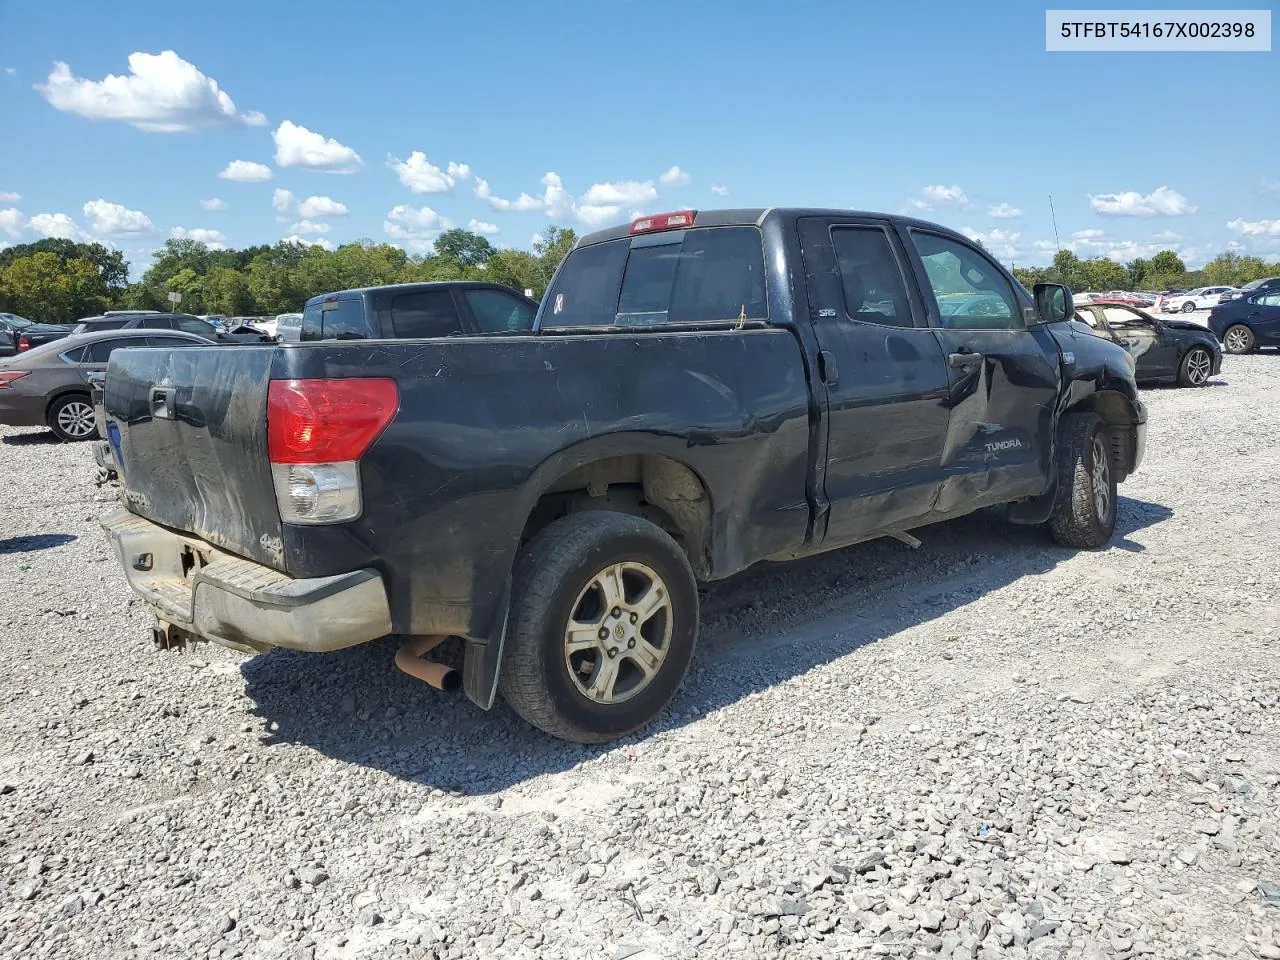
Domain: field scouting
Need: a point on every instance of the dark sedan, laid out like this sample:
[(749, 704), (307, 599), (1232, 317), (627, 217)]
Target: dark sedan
[(1164, 351), (24, 334), (1248, 323), (49, 385), (167, 321), (1253, 286)]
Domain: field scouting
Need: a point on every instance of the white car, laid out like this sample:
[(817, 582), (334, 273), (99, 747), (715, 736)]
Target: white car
[(1201, 298), (289, 327)]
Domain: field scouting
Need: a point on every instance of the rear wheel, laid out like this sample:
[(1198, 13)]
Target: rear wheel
[(1238, 339), (71, 418), (1196, 368), (1084, 515), (1188, 307), (603, 622)]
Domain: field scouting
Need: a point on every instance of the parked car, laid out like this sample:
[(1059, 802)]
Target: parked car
[(48, 385), (409, 310), (1268, 283), (289, 327), (11, 327), (1168, 351), (39, 334), (1121, 296), (1250, 322), (699, 392), (1201, 298), (168, 321)]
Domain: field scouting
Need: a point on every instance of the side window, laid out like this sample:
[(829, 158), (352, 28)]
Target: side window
[(1271, 299), (197, 326), (430, 313), (497, 312), (1120, 317), (338, 319), (874, 291), (75, 356), (971, 293), (155, 323), (1087, 317), (101, 351)]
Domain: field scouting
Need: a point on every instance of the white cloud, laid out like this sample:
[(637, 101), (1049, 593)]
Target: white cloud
[(1168, 236), (305, 242), (310, 226), (246, 171), (479, 226), (113, 219), (213, 239), (10, 197), (1003, 211), (521, 204), (937, 195), (1002, 244), (1091, 234), (417, 228), (11, 70), (627, 192), (420, 175), (1255, 228), (299, 147), (321, 207), (1160, 202), (214, 204), (720, 190), (281, 200), (12, 221), (675, 177), (56, 225), (162, 93)]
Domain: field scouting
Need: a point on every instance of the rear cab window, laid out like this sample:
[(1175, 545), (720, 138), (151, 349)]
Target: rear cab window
[(339, 318), (702, 275)]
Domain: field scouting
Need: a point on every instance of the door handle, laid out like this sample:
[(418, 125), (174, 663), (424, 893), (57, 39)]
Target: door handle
[(162, 403), (965, 358), (827, 368)]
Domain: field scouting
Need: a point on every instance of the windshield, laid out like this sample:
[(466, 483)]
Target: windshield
[(15, 321)]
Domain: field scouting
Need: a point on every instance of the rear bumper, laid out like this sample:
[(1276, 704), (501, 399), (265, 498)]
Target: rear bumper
[(236, 603), (102, 455)]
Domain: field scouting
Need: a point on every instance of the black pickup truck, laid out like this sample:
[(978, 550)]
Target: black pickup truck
[(701, 391)]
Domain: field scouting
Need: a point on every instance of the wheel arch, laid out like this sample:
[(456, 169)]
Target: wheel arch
[(1120, 412)]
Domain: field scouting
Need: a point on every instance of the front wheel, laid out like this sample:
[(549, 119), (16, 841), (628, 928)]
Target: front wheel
[(1084, 515), (71, 418), (604, 617), (1238, 339), (1196, 368), (1188, 307)]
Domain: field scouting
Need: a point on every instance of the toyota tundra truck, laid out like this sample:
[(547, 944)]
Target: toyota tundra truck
[(699, 391)]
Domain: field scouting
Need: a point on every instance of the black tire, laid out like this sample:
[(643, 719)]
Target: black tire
[(67, 418), (1238, 339), (1188, 307), (553, 580), (1082, 518), (1196, 368)]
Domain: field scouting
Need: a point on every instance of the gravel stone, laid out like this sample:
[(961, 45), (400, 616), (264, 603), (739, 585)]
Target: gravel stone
[(826, 785)]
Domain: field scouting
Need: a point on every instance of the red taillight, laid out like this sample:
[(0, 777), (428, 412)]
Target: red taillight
[(327, 421), (23, 344), (10, 376), (664, 221)]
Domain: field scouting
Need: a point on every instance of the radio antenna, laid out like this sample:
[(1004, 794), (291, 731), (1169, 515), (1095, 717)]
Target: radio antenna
[(1054, 217)]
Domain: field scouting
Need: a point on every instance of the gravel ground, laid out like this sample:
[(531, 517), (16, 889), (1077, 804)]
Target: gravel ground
[(987, 747)]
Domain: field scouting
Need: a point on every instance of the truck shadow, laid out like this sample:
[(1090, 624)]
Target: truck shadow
[(760, 628)]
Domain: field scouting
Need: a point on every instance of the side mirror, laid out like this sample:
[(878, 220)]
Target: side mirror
[(1053, 302)]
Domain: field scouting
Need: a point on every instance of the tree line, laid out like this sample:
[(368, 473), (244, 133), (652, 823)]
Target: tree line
[(60, 281), (1164, 271)]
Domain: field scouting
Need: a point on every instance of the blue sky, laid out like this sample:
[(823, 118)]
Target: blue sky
[(952, 111)]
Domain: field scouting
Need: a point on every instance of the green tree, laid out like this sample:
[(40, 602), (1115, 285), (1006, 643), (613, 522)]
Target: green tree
[(551, 250), (1168, 263), (516, 268), (111, 265), (1139, 270), (1104, 274), (467, 248), (190, 285), (1068, 269), (49, 288), (226, 292)]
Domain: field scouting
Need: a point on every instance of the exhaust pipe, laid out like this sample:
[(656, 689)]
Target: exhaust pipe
[(409, 658)]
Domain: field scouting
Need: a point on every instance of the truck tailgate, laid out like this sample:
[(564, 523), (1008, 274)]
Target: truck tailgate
[(193, 443)]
